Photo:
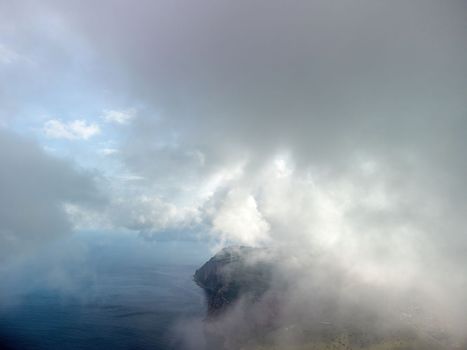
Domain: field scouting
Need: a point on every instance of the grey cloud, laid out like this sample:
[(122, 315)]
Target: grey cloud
[(34, 189), (324, 80), (46, 60), (337, 86), (328, 82)]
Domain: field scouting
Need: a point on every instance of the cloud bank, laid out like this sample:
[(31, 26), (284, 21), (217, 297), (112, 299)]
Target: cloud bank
[(359, 107), (35, 188)]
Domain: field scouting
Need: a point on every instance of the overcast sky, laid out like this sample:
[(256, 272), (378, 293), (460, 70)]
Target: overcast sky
[(325, 126)]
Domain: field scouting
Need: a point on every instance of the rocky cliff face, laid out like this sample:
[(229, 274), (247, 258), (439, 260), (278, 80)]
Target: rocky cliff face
[(233, 273)]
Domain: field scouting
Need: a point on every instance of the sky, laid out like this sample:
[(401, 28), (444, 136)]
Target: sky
[(324, 127)]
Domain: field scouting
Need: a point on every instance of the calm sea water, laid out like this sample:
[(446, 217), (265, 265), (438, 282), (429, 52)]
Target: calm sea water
[(116, 308)]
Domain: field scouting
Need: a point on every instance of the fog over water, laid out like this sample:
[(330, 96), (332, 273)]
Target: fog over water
[(330, 133), (106, 297)]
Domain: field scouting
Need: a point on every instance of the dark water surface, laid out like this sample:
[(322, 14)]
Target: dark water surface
[(121, 306), (131, 309)]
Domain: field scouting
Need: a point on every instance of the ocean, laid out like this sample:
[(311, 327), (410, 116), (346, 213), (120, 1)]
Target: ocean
[(118, 305)]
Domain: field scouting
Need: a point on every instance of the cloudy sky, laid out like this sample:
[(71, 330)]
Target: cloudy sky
[(323, 126)]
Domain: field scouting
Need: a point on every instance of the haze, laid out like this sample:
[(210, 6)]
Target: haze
[(330, 131)]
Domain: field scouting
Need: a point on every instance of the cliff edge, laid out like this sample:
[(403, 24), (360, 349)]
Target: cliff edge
[(233, 273)]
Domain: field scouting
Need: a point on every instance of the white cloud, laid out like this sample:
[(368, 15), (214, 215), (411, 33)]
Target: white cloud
[(152, 214), (239, 220), (108, 151), (119, 117), (129, 177), (74, 130)]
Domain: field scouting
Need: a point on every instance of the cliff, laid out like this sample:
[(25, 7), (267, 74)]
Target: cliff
[(233, 273)]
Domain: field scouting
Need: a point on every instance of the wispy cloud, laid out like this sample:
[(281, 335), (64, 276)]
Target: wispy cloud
[(119, 117), (7, 55), (74, 130), (108, 151)]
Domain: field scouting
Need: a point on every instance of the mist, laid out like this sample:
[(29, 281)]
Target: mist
[(330, 134)]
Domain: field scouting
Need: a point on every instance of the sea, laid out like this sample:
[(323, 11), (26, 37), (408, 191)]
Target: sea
[(116, 296)]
